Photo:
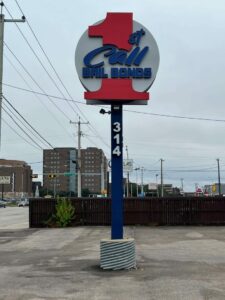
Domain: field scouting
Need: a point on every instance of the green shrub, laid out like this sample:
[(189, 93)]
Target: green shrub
[(64, 213)]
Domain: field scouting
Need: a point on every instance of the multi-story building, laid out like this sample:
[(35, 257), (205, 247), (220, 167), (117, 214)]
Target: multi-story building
[(59, 170), (60, 167), (94, 170), (20, 174)]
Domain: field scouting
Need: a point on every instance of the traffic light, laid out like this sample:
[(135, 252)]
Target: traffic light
[(51, 176)]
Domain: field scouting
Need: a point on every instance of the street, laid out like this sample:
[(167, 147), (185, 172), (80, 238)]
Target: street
[(14, 217)]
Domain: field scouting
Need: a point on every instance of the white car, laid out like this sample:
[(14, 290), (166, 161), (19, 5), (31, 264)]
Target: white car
[(23, 202), (2, 204)]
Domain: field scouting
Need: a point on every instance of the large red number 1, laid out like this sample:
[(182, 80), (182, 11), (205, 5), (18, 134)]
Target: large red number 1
[(115, 30)]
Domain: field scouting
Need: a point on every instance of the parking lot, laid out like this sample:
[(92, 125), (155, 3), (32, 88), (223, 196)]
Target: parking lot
[(14, 217), (173, 263)]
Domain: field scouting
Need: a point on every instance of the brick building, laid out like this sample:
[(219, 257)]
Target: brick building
[(58, 161), (20, 178), (94, 170), (59, 170)]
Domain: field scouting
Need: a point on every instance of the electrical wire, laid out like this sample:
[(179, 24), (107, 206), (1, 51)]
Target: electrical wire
[(22, 129), (43, 94), (28, 73), (60, 98), (21, 122), (31, 90), (37, 57), (127, 110), (92, 128), (175, 116), (48, 59), (19, 134), (42, 138)]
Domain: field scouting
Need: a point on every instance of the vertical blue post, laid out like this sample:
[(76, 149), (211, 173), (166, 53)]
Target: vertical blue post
[(117, 171)]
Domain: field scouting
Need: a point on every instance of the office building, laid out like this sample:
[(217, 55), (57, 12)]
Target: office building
[(94, 170), (60, 167), (59, 170), (20, 178)]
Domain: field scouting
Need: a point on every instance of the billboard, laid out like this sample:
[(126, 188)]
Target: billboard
[(4, 179), (117, 60)]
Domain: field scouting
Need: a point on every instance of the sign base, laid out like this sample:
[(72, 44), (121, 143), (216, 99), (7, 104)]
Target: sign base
[(117, 254)]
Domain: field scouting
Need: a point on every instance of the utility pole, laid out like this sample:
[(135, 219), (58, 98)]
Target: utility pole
[(136, 169), (142, 181), (156, 181), (79, 156), (127, 174), (182, 184), (161, 160), (2, 21), (219, 183)]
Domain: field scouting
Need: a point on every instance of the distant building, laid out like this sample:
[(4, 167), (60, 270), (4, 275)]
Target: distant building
[(94, 170), (154, 190), (59, 170), (20, 174), (213, 189)]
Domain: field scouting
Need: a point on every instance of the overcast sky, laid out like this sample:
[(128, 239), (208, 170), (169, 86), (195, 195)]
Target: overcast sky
[(190, 83)]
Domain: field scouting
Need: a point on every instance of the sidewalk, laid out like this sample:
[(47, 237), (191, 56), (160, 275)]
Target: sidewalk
[(173, 263)]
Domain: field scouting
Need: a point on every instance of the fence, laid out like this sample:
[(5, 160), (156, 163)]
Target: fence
[(137, 211)]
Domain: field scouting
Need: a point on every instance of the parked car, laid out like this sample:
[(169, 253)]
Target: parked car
[(23, 202), (2, 204)]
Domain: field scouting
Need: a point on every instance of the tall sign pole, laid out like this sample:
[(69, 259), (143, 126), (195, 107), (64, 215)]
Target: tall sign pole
[(117, 60), (117, 171)]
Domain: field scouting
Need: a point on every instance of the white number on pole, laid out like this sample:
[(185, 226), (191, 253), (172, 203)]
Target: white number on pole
[(116, 127), (116, 151), (117, 138)]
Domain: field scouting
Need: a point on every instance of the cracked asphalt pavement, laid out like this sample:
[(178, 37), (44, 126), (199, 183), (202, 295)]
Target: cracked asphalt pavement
[(172, 262)]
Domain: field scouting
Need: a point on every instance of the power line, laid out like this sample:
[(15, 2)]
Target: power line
[(49, 61), (21, 122), (43, 94), (37, 57), (92, 128), (60, 98), (22, 129), (28, 73), (180, 171), (44, 52), (31, 90), (127, 110), (28, 123), (19, 134), (175, 116)]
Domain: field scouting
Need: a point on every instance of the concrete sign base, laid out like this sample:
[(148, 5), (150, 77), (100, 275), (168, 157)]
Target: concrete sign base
[(117, 254)]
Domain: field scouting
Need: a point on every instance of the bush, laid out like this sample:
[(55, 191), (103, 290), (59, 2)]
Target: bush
[(64, 214)]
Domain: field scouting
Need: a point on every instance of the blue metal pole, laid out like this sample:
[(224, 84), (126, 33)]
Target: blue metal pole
[(117, 171)]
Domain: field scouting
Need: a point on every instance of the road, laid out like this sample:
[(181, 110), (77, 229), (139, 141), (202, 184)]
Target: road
[(14, 218)]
